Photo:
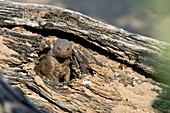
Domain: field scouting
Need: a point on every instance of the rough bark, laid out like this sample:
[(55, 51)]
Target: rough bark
[(139, 51), (27, 28), (14, 101)]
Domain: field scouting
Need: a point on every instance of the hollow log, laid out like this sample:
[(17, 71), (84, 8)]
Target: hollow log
[(139, 51), (103, 57)]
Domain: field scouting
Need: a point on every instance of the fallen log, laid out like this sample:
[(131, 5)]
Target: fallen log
[(27, 29), (143, 53)]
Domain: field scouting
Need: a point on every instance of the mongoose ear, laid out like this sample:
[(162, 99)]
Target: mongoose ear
[(72, 43), (54, 43)]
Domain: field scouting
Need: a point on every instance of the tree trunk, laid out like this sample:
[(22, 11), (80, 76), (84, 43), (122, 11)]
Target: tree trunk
[(27, 28), (139, 51)]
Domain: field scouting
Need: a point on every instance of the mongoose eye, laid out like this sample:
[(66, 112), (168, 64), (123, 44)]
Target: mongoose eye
[(68, 49), (59, 48)]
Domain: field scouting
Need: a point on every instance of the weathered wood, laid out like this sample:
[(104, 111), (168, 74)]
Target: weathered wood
[(98, 92), (13, 100), (21, 62), (139, 51), (25, 31)]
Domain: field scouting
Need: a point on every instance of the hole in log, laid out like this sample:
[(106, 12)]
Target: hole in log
[(83, 42)]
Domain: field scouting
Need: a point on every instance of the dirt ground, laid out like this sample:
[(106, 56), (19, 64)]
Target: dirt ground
[(114, 88)]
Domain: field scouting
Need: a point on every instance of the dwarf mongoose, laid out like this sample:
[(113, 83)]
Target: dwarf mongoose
[(55, 64)]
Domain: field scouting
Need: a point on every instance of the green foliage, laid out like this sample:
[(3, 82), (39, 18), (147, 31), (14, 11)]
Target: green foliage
[(156, 14)]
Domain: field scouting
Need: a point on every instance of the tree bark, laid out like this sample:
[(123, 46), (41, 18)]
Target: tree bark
[(23, 28), (140, 52), (14, 101)]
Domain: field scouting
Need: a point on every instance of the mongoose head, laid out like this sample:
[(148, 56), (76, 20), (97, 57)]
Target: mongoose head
[(62, 48)]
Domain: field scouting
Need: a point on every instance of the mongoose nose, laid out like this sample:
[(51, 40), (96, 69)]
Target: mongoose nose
[(64, 54)]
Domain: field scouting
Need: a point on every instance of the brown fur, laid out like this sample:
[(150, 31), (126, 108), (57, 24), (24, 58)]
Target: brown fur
[(53, 65)]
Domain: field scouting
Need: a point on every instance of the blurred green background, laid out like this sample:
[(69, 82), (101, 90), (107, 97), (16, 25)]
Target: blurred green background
[(146, 17)]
